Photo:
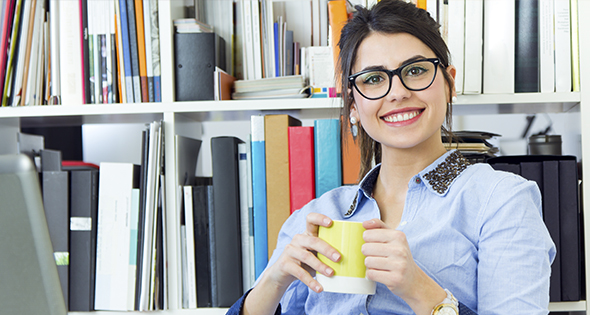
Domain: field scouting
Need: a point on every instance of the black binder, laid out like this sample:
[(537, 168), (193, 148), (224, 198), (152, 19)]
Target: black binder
[(196, 55)]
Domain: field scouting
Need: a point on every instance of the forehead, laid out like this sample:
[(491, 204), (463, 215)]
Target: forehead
[(389, 50)]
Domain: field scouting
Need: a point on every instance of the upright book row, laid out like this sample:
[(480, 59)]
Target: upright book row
[(77, 52), (107, 229), (230, 222), (511, 46)]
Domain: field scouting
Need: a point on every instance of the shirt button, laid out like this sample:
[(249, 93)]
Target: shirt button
[(418, 180)]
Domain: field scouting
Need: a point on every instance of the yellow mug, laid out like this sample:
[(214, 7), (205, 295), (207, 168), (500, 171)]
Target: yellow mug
[(350, 271)]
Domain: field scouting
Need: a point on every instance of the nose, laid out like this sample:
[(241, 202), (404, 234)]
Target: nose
[(398, 91)]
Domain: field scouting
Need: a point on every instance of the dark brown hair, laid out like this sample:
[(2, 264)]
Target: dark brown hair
[(387, 17)]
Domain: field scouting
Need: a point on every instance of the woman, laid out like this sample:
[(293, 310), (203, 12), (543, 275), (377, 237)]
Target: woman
[(443, 236)]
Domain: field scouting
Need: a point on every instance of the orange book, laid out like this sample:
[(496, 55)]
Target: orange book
[(421, 4), (141, 50), (337, 16), (351, 158), (278, 199)]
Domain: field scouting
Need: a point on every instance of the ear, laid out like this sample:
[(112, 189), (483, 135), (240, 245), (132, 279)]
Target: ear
[(354, 111), (453, 72)]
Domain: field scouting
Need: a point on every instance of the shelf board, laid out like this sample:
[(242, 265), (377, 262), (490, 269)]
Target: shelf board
[(144, 112), (577, 306)]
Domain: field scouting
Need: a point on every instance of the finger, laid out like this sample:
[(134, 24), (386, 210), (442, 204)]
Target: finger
[(384, 236), (301, 274), (315, 244), (374, 224), (314, 220)]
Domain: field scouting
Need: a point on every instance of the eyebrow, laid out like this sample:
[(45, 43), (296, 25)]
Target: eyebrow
[(381, 67)]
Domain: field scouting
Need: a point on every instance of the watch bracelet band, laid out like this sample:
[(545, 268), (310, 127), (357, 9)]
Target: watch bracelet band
[(449, 301)]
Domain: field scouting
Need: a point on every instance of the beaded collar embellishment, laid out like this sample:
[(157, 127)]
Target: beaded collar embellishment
[(445, 173)]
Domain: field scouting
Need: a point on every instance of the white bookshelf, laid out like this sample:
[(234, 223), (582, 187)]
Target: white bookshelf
[(188, 118)]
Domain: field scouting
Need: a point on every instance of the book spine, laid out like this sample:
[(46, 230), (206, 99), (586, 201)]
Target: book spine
[(122, 91), (456, 40), (85, 51), (551, 219), (276, 137), (256, 44), (245, 225), (155, 37), (6, 94), (328, 167), (83, 215), (7, 19), (259, 194), (301, 166), (546, 47), (338, 17), (499, 20), (141, 52), (133, 230), (526, 61), (224, 156), (569, 229), (191, 280), (147, 25), (126, 51), (351, 157), (473, 46), (201, 204), (563, 60), (55, 201), (133, 45), (575, 46)]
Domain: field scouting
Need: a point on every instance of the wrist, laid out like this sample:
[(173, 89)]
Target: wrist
[(449, 306)]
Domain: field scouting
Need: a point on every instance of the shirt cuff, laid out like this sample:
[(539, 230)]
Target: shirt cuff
[(464, 310), (238, 306)]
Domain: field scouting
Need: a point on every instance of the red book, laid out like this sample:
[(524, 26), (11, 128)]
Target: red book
[(301, 166)]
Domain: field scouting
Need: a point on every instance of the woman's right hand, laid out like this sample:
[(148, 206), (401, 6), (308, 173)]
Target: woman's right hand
[(299, 261)]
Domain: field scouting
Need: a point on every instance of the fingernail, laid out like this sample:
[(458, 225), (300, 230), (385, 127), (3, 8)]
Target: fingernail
[(326, 221), (329, 271), (318, 289), (335, 256)]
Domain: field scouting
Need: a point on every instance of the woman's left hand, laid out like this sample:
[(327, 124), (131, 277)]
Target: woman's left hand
[(389, 259)]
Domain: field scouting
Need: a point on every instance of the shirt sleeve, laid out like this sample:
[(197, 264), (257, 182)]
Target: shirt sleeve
[(238, 306), (515, 250)]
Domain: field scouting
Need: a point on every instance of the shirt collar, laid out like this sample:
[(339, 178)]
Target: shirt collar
[(438, 177)]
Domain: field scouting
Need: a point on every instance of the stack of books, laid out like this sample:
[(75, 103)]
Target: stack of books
[(278, 87), (474, 145)]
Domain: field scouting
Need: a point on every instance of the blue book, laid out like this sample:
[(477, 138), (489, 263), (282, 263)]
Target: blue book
[(259, 195), (126, 52), (277, 54), (328, 163)]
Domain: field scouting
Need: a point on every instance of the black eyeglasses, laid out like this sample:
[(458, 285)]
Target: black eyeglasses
[(415, 76)]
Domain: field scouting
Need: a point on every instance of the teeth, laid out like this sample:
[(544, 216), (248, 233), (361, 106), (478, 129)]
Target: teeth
[(401, 117)]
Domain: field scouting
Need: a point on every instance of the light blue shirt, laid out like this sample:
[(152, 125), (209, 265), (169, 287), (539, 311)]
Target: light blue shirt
[(477, 232)]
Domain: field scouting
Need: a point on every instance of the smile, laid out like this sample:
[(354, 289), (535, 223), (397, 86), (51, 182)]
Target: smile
[(402, 116)]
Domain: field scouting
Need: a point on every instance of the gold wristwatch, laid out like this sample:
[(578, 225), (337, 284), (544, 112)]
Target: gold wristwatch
[(449, 306)]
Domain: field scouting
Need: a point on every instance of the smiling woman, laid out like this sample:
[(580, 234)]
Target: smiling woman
[(443, 236)]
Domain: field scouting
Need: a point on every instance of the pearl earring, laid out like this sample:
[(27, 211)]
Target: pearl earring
[(354, 128), (454, 99)]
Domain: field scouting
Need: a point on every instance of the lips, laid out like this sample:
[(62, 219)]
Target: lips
[(400, 117)]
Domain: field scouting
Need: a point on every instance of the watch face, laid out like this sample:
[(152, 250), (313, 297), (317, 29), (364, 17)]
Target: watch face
[(447, 310)]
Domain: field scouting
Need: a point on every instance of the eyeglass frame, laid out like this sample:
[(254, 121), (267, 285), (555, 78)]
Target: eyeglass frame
[(391, 73)]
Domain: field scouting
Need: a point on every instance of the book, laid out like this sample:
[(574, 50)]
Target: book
[(259, 193), (12, 51), (93, 73), (456, 40), (546, 47), (134, 50), (337, 17), (351, 158), (256, 40), (220, 15), (246, 225), (526, 62), (83, 218), (141, 50), (149, 70), (155, 50), (276, 137), (191, 278), (328, 165), (575, 46), (569, 229), (86, 57), (202, 211), (223, 84), (196, 55), (116, 183), (7, 18), (125, 52), (31, 41), (133, 235), (551, 219), (498, 46), (54, 186), (563, 53), (21, 62), (71, 76), (226, 197), (301, 166)]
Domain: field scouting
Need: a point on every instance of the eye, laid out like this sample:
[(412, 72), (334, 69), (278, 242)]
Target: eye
[(415, 70), (372, 78)]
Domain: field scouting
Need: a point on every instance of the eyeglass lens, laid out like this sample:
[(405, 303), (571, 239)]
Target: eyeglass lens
[(415, 76)]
